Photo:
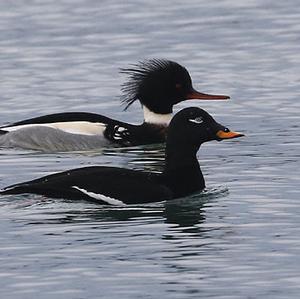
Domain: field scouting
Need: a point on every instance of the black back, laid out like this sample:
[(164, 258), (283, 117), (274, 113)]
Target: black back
[(64, 117)]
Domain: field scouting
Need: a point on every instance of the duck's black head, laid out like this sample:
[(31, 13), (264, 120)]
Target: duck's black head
[(159, 84), (193, 126)]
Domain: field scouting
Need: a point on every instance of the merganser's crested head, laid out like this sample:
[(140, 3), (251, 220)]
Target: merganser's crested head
[(159, 84)]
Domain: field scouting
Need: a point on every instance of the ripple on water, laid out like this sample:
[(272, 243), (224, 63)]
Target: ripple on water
[(64, 55)]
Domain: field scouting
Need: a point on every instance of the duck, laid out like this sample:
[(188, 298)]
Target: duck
[(158, 85), (180, 177)]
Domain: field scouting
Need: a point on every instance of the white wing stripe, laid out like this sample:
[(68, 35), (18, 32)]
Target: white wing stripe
[(102, 197)]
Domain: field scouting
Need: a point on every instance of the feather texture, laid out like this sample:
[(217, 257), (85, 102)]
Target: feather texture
[(152, 73)]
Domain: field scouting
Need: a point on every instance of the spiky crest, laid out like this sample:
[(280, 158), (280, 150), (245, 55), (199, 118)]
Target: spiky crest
[(138, 73)]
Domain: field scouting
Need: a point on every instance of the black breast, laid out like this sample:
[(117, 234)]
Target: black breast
[(131, 135)]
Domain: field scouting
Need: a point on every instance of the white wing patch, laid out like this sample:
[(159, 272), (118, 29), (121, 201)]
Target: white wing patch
[(109, 200), (74, 127), (119, 132)]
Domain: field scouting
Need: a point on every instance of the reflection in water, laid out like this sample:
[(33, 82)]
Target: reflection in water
[(188, 212), (183, 212), (145, 157), (64, 55)]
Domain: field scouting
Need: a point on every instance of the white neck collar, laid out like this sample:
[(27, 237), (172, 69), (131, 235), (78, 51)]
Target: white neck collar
[(156, 118)]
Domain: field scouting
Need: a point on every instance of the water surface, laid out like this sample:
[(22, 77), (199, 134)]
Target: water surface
[(240, 239)]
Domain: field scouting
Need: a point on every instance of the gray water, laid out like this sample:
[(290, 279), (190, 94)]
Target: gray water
[(240, 238)]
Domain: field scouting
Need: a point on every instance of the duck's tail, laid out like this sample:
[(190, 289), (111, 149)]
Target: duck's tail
[(14, 189)]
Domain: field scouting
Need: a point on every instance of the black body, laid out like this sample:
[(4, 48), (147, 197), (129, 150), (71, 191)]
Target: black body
[(181, 176)]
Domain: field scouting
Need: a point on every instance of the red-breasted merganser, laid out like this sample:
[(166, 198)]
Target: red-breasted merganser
[(158, 84)]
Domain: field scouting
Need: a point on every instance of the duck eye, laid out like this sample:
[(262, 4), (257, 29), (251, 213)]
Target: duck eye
[(197, 120), (226, 130)]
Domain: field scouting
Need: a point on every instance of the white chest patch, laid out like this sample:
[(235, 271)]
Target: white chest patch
[(109, 200), (156, 118), (74, 127)]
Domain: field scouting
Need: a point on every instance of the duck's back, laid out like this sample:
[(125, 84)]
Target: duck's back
[(70, 131), (100, 184)]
